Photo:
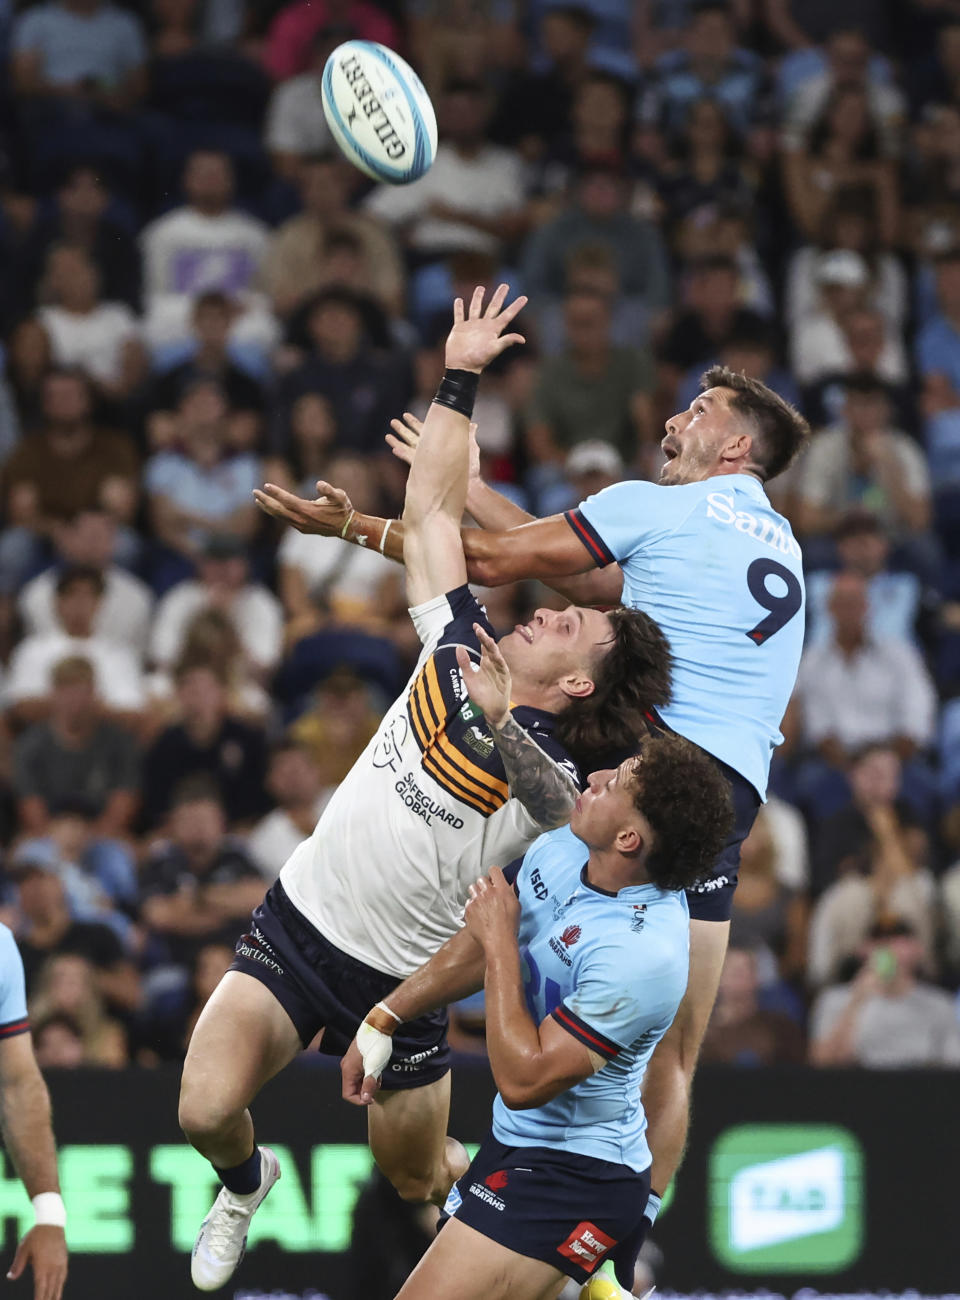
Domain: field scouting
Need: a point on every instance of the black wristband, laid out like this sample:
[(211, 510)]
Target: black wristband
[(458, 390)]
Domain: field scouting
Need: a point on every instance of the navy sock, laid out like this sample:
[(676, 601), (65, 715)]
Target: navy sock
[(242, 1179)]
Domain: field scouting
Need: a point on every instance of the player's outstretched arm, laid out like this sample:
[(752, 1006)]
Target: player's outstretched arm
[(436, 491), (455, 971), (545, 789), (28, 1137), (531, 1063)]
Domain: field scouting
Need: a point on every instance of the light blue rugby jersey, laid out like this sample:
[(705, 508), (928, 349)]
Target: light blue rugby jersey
[(721, 572), (611, 969), (13, 998)]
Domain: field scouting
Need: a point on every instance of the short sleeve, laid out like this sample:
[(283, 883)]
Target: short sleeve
[(13, 996), (615, 523), (450, 618), (619, 994)]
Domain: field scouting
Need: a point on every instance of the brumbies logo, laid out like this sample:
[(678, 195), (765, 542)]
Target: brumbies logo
[(570, 936)]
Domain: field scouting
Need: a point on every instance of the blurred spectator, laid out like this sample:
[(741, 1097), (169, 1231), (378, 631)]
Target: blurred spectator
[(841, 150), (28, 362), (875, 777), (89, 540), (45, 928), (818, 344), (767, 913), (76, 760), (729, 228), (202, 246), (593, 389), (223, 583), (100, 338), (849, 224), (706, 167), (864, 462), (82, 218), (854, 690), (198, 885), (209, 967), (388, 1236), (599, 133), (589, 467), (293, 781), (894, 599), (67, 466), (317, 579), (212, 361), (67, 987), (79, 51), (207, 740), (740, 1031), (291, 35), (339, 726), (365, 387), (536, 105), (883, 881), (863, 350), (712, 316), (471, 199), (750, 351), (848, 68), (938, 342), (58, 1042), (197, 489), (886, 1018), (709, 66), (296, 126), (599, 216), (116, 669), (466, 1031), (295, 267)]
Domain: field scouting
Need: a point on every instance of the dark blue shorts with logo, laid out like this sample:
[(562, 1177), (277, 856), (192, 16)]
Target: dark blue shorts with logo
[(712, 898), (545, 1203), (321, 987)]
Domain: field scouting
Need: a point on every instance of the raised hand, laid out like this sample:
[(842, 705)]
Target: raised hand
[(488, 684), (327, 516), (406, 438), (477, 337)]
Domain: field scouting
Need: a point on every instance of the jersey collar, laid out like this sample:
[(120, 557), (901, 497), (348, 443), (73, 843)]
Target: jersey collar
[(533, 718), (629, 893)]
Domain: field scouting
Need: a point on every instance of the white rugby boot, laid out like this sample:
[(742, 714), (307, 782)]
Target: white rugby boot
[(222, 1238)]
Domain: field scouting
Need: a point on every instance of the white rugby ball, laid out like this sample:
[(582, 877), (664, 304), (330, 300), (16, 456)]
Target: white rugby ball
[(379, 112)]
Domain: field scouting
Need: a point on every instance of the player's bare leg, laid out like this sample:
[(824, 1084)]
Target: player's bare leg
[(462, 1264), (242, 1039), (666, 1087), (408, 1137)]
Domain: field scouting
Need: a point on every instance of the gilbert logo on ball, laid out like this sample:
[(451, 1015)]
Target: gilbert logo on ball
[(379, 112)]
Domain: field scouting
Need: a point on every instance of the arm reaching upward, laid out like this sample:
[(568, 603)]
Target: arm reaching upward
[(437, 486)]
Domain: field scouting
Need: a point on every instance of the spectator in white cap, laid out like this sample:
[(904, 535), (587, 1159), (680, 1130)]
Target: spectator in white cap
[(818, 342), (589, 467)]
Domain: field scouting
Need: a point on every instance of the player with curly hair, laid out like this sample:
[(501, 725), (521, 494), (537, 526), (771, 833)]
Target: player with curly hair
[(584, 963)]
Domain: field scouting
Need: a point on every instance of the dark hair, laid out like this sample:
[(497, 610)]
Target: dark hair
[(865, 384), (200, 787), (212, 298), (782, 430), (56, 1019), (633, 677), (869, 145), (77, 574), (855, 523), (687, 800)]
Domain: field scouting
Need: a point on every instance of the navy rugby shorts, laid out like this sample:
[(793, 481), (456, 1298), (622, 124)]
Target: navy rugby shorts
[(545, 1203), (321, 987), (712, 898)]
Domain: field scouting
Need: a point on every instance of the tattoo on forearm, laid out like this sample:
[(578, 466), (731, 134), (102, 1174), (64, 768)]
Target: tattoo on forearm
[(546, 791)]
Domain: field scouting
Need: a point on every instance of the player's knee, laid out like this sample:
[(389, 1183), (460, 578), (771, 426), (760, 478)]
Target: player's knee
[(411, 1184), (202, 1116)]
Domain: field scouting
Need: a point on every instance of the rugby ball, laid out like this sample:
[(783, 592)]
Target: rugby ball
[(378, 112)]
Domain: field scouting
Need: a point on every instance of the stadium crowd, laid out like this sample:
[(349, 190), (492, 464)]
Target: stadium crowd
[(198, 293)]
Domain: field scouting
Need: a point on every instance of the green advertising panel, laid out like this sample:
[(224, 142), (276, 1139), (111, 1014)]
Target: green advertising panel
[(786, 1198)]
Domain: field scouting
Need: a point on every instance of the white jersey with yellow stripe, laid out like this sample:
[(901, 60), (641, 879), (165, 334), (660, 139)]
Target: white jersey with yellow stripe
[(423, 812)]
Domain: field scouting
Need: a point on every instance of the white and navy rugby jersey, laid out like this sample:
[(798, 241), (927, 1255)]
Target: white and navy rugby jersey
[(721, 572), (611, 969), (424, 811)]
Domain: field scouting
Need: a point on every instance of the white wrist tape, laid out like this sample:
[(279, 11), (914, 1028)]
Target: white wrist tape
[(383, 542), (49, 1210), (376, 1048), (383, 1007)]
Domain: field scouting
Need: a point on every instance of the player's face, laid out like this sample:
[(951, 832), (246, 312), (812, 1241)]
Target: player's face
[(607, 806), (556, 643), (695, 438)]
